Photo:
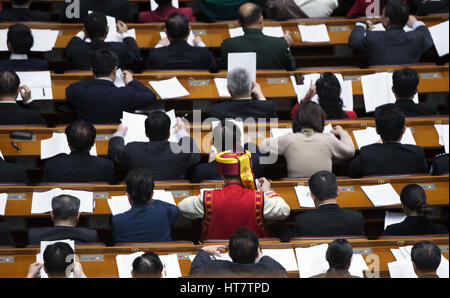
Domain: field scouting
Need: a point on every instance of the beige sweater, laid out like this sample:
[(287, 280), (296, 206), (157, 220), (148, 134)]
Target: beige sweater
[(307, 154)]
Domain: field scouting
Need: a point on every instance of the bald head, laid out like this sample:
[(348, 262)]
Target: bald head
[(250, 16)]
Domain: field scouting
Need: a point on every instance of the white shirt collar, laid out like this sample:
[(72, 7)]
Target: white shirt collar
[(18, 57), (8, 101), (104, 78), (244, 98)]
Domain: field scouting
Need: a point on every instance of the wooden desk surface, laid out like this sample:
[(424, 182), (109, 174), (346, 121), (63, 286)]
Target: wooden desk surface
[(275, 84), (212, 34), (423, 131), (351, 194), (106, 266)]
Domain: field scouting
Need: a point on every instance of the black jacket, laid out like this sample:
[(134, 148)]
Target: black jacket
[(23, 15), (244, 108), (179, 55), (411, 109), (5, 235), (415, 225), (36, 235), (203, 266), (115, 8), (78, 166), (388, 159), (100, 101), (24, 65), (13, 113), (12, 173), (440, 165), (155, 156), (79, 52)]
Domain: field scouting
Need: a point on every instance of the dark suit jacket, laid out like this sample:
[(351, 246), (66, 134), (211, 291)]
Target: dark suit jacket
[(203, 266), (155, 156), (36, 235), (23, 15), (5, 235), (387, 159), (79, 52), (393, 46), (24, 65), (13, 173), (328, 220), (415, 225), (411, 109), (271, 52), (181, 55), (78, 166), (244, 108), (12, 113), (115, 8), (149, 223), (100, 101), (440, 165)]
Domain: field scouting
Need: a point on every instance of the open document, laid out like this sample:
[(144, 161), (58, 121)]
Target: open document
[(168, 89), (171, 267), (39, 82), (42, 201), (246, 61), (58, 144), (314, 33)]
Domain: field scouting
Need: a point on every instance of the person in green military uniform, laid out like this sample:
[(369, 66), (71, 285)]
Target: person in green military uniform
[(271, 52)]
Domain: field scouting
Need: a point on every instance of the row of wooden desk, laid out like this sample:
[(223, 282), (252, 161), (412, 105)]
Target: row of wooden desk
[(351, 195), (422, 128), (98, 261), (212, 34)]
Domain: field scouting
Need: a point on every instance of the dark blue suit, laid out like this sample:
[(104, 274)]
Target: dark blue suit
[(24, 65), (415, 225), (145, 223), (23, 15), (100, 101)]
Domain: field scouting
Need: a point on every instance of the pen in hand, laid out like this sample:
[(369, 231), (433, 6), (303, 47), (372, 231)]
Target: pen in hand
[(185, 115)]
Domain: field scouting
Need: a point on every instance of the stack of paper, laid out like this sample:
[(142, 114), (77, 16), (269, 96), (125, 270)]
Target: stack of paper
[(168, 89), (239, 124), (190, 39), (368, 136), (286, 257), (121, 204), (43, 40), (154, 5), (246, 61), (442, 130), (58, 144), (42, 201), (304, 197), (377, 90), (269, 31), (119, 80), (221, 85), (3, 200), (314, 33), (39, 82), (439, 34), (40, 255), (165, 196), (171, 267), (393, 218), (382, 195)]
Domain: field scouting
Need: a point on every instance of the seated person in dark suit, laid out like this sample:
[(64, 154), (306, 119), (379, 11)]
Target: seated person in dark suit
[(440, 165), (389, 156), (271, 52), (65, 217), (57, 258), (174, 52), (165, 160), (19, 41), (226, 136), (148, 265), (148, 220), (79, 165), (5, 235), (339, 256), (82, 46), (114, 8), (393, 46), (242, 105), (328, 219), (405, 82), (14, 112), (12, 173), (414, 203), (98, 100), (426, 258), (21, 12), (244, 250)]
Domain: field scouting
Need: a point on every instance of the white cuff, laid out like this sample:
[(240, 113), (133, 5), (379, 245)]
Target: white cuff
[(81, 35), (418, 24), (361, 24), (118, 134), (201, 44), (126, 34)]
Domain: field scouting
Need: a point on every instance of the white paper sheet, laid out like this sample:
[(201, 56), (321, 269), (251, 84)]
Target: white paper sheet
[(286, 257), (154, 5), (304, 197), (279, 132), (1, 155), (168, 89), (439, 34), (164, 196), (382, 195), (391, 218), (58, 144), (43, 40), (358, 265), (42, 201), (239, 124), (3, 200), (404, 269), (311, 260), (39, 82), (190, 39), (443, 133), (380, 27), (171, 267), (118, 204), (314, 33), (368, 136), (119, 81), (221, 85), (246, 61), (269, 31), (43, 246), (125, 264)]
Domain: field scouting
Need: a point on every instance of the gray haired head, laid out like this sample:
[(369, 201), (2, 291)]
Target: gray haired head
[(65, 207), (239, 82)]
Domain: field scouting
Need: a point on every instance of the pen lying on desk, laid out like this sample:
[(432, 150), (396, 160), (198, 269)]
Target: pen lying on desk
[(15, 146)]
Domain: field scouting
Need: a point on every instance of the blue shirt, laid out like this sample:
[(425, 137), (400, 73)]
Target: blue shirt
[(145, 223)]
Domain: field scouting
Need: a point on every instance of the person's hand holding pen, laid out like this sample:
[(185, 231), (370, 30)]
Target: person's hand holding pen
[(25, 92), (182, 123)]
